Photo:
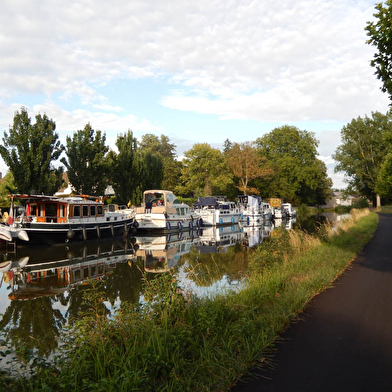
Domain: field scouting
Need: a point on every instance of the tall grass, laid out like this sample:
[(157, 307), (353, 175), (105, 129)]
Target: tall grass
[(178, 342)]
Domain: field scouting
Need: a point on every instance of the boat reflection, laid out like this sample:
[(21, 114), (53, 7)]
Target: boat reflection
[(216, 239), (33, 272), (160, 253)]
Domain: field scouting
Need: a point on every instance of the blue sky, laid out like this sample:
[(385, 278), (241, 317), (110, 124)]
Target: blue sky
[(195, 71)]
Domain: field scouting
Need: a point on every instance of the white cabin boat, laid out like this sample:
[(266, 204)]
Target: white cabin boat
[(250, 208), (217, 239), (268, 211), (288, 208), (161, 210), (278, 213), (160, 253), (217, 211)]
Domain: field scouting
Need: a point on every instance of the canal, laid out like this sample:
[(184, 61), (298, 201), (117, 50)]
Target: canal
[(41, 288)]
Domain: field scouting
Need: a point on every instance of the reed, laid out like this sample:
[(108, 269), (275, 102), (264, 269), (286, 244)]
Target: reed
[(177, 342)]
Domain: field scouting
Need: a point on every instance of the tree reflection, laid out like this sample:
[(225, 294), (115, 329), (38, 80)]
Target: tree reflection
[(32, 324), (207, 268)]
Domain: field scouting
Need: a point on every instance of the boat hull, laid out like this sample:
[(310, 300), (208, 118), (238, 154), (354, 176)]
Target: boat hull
[(218, 218), (54, 233), (166, 223)]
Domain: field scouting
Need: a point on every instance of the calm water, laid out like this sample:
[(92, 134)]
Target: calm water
[(41, 289)]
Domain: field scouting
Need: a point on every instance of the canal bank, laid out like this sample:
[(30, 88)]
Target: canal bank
[(178, 342), (343, 341)]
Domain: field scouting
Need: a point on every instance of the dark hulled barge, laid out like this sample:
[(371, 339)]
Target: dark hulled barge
[(51, 220)]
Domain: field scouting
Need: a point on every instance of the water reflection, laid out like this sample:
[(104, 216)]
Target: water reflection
[(41, 289), (161, 253)]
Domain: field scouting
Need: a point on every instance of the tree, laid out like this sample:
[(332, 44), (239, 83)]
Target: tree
[(123, 175), (247, 165), (298, 175), (133, 170), (384, 178), (85, 163), (227, 145), (380, 33), (205, 171), (7, 187), (362, 152), (29, 151), (167, 152)]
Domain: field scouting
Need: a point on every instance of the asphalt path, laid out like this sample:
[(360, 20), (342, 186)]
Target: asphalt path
[(343, 341)]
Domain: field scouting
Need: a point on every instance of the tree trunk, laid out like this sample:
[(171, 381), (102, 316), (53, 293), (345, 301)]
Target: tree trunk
[(378, 201)]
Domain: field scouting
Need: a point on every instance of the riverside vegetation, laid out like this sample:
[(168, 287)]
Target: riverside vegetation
[(175, 341)]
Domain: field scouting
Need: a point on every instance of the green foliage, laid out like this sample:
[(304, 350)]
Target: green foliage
[(29, 151), (380, 36), (7, 187), (124, 168), (298, 175), (363, 150), (205, 171), (133, 170), (86, 163), (384, 178), (342, 209), (272, 252), (167, 152), (362, 202)]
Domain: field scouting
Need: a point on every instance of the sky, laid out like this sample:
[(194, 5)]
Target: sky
[(195, 71)]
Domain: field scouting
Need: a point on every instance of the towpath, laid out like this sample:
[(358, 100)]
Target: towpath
[(343, 341)]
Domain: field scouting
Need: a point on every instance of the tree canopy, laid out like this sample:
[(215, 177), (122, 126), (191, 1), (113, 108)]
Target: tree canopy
[(247, 165), (363, 150), (133, 170), (85, 162), (167, 152), (29, 150), (298, 175), (205, 171), (380, 36)]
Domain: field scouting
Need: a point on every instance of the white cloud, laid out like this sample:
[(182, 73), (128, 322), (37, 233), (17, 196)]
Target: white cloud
[(263, 60)]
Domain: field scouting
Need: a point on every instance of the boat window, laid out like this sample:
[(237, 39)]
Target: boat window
[(33, 209), (154, 199), (61, 210), (77, 272), (100, 210), (85, 210), (50, 209), (92, 210), (40, 210), (76, 211)]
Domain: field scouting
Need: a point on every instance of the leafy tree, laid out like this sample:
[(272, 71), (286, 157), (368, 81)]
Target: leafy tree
[(7, 187), (380, 33), (86, 163), (247, 165), (362, 152), (133, 170), (298, 175), (29, 150), (160, 145), (205, 171), (123, 175), (227, 145), (167, 152), (384, 178)]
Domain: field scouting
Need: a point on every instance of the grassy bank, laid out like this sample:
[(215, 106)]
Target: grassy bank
[(177, 342)]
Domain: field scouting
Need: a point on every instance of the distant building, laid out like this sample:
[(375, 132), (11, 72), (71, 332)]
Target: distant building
[(338, 199)]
